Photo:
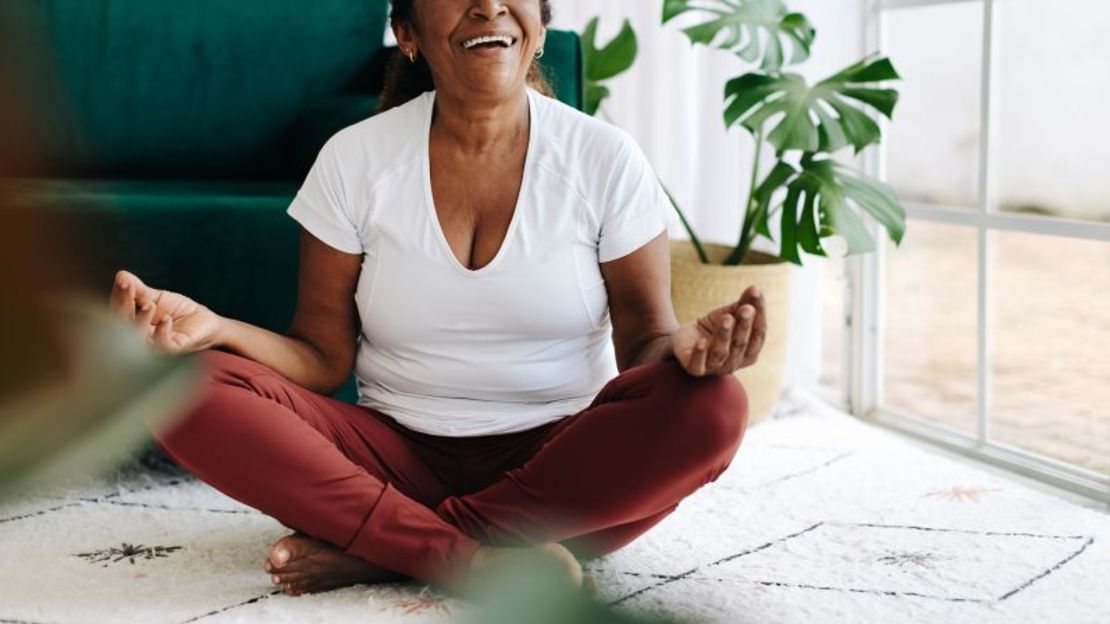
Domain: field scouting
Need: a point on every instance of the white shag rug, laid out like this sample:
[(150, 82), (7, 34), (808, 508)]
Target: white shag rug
[(820, 519)]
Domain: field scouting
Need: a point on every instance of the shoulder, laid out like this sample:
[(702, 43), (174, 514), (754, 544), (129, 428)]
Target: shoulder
[(378, 143), (578, 146), (563, 124)]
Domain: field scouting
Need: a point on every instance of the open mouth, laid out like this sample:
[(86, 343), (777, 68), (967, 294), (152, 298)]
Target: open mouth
[(489, 42)]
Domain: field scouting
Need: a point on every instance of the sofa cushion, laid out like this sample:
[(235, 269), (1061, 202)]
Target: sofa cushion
[(228, 245), (563, 65), (196, 89)]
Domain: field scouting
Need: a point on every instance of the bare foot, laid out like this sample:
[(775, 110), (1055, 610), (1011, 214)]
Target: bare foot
[(553, 556), (300, 564)]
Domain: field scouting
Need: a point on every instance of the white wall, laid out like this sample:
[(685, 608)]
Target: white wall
[(671, 101)]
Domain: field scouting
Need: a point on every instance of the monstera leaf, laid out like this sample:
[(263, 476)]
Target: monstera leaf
[(824, 117), (755, 30), (615, 58), (827, 194)]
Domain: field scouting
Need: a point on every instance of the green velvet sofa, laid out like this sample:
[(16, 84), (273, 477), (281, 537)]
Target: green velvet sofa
[(174, 134)]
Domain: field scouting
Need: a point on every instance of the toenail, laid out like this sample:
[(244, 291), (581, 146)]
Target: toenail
[(275, 579)]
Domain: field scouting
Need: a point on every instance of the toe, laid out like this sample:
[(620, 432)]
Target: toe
[(289, 550), (282, 578), (280, 553)]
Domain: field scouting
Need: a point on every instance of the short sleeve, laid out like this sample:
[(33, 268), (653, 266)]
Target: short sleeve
[(321, 203), (634, 205)]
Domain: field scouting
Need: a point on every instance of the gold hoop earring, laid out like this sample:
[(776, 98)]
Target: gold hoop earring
[(539, 53)]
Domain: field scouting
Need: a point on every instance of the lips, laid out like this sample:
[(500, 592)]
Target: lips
[(489, 40)]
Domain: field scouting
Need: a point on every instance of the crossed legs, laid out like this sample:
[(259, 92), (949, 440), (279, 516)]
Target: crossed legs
[(383, 497)]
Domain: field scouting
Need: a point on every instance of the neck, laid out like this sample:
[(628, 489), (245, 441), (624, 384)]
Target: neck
[(478, 126)]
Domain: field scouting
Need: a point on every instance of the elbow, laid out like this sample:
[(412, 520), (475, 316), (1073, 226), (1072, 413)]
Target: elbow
[(331, 367), (337, 370)]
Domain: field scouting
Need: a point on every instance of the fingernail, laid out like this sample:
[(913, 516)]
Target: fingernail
[(275, 579), (727, 322), (282, 555), (746, 313)]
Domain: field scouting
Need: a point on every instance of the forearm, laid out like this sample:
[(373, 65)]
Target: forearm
[(293, 358), (656, 349)]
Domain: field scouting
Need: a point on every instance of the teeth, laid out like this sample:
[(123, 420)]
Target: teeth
[(503, 39)]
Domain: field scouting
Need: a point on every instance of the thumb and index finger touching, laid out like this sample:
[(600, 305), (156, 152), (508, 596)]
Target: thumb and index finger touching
[(752, 297), (128, 293)]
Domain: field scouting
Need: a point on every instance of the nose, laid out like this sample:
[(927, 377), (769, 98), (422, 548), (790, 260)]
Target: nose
[(488, 9)]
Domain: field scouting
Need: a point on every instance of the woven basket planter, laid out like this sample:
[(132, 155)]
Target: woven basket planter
[(697, 288)]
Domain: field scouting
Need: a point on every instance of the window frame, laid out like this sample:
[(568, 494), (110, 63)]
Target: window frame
[(865, 324)]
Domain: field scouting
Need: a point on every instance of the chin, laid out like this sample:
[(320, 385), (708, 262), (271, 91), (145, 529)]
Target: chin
[(494, 86)]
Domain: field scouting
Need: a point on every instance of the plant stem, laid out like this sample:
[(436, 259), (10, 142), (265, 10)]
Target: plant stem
[(694, 240), (748, 226), (685, 224)]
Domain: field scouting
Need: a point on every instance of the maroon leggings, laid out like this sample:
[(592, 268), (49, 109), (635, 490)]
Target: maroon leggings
[(420, 504)]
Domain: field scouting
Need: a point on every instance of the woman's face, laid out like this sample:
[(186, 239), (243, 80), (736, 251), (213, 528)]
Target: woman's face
[(476, 47)]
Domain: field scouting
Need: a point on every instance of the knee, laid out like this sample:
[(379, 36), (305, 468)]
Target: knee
[(218, 370), (222, 367), (708, 414)]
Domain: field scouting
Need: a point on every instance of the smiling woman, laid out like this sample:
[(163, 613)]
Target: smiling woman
[(494, 266), (409, 74)]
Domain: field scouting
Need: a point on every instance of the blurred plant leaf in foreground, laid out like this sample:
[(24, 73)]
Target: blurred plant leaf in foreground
[(91, 417), (535, 595)]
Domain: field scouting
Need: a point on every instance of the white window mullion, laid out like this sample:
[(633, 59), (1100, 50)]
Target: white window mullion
[(988, 197), (865, 271), (907, 4), (866, 300)]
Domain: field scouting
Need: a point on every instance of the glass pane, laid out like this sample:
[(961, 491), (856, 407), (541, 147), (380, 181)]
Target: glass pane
[(933, 141), (1050, 347), (1053, 85), (833, 332), (930, 339)]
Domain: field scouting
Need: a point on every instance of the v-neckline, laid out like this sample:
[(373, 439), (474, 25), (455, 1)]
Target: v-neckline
[(429, 199)]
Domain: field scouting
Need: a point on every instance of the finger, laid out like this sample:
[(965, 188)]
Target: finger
[(127, 309), (697, 358), (163, 333), (758, 337), (145, 319), (741, 338), (123, 299), (143, 293), (721, 345), (748, 296)]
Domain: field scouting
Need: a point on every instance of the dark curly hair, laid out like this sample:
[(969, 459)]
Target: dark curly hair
[(404, 80)]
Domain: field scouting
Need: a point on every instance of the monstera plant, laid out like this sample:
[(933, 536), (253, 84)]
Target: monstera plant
[(606, 62), (812, 195), (805, 124)]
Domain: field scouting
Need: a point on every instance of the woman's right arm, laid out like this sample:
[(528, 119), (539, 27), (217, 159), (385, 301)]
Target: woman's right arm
[(317, 351)]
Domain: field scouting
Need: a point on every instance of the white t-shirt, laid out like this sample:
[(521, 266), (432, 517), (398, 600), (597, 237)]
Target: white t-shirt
[(526, 339)]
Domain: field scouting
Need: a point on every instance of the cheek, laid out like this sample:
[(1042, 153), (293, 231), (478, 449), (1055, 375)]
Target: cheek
[(530, 15)]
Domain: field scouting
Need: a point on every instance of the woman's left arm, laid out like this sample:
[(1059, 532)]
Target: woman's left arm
[(645, 329), (640, 304)]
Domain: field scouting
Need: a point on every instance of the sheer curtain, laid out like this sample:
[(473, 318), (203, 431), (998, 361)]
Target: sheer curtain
[(671, 102)]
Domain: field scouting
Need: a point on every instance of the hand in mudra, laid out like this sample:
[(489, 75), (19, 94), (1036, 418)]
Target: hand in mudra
[(172, 323), (723, 340)]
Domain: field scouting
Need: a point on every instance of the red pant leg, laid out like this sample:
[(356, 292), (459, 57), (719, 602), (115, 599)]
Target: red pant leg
[(330, 469), (651, 437)]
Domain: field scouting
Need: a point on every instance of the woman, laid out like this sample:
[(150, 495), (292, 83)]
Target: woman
[(486, 259)]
